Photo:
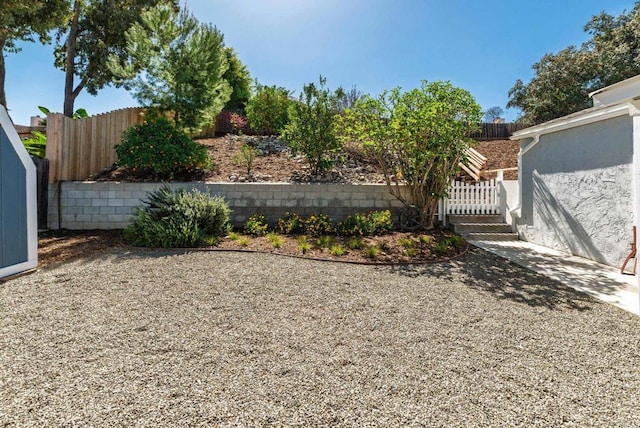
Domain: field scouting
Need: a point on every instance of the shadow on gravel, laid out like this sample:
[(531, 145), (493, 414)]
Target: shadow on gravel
[(484, 271)]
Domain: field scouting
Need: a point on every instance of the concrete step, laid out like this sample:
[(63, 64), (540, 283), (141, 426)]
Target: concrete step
[(488, 236), (481, 228), (475, 218)]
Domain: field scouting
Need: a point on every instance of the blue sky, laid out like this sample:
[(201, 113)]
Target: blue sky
[(481, 46)]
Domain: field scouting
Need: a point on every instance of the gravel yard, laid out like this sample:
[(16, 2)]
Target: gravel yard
[(230, 339)]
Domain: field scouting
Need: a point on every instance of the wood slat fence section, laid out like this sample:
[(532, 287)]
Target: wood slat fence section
[(77, 148), (472, 198), (497, 131)]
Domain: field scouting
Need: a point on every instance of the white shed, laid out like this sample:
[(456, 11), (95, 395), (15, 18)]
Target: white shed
[(579, 177), (18, 204)]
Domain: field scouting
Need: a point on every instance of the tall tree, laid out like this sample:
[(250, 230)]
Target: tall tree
[(493, 113), (240, 80), (177, 65), (562, 81), (23, 20), (96, 31)]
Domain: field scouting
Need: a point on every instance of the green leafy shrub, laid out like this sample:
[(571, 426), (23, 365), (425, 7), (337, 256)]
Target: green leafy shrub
[(275, 240), (291, 224), (373, 223), (245, 157), (311, 130), (441, 248), (268, 110), (455, 241), (321, 224), (36, 145), (243, 241), (337, 250), (326, 241), (256, 225), (182, 218), (355, 243), (371, 252), (157, 148), (407, 243), (303, 244)]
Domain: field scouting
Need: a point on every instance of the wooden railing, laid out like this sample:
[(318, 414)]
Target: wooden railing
[(77, 148)]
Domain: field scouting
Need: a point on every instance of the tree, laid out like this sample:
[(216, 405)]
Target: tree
[(562, 81), (311, 130), (268, 109), (95, 32), (493, 113), (22, 20), (348, 99), (182, 63), (240, 80), (418, 137)]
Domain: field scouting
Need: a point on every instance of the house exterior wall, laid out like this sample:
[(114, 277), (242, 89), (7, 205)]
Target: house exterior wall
[(110, 205), (576, 189)]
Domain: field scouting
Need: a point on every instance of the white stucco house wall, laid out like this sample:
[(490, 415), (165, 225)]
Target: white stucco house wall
[(579, 177)]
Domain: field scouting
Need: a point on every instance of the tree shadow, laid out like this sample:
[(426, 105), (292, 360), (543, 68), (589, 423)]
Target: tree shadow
[(483, 271)]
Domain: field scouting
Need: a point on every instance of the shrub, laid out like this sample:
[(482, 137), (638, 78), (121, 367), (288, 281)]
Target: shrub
[(355, 243), (268, 110), (256, 225), (441, 248), (276, 240), (311, 130), (371, 252), (229, 121), (321, 224), (291, 224), (325, 241), (373, 223), (243, 241), (337, 250), (245, 157), (159, 149), (182, 218), (407, 243), (303, 244)]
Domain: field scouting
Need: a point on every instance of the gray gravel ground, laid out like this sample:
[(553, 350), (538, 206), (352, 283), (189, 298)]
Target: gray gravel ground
[(228, 339)]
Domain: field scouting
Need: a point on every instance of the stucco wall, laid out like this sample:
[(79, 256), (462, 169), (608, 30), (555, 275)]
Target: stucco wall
[(109, 205), (577, 191)]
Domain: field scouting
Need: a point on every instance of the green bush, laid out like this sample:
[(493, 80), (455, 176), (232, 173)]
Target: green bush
[(373, 223), (182, 218), (291, 224), (158, 149), (256, 225), (321, 224), (311, 130), (268, 110)]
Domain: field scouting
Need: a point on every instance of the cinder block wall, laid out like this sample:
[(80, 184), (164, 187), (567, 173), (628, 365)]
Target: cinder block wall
[(110, 205)]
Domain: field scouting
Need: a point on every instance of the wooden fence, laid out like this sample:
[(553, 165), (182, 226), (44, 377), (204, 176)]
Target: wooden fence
[(77, 148), (497, 131)]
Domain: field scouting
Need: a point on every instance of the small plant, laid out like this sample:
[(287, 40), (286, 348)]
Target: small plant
[(355, 243), (441, 248), (211, 241), (383, 246), (291, 224), (158, 148), (455, 240), (275, 240), (411, 251), (325, 241), (182, 218), (243, 241), (303, 244), (371, 252), (407, 243), (233, 236), (337, 250), (425, 239), (373, 223), (256, 225), (245, 157), (321, 224), (36, 145)]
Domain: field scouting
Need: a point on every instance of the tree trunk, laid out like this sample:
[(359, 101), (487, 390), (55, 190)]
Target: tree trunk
[(69, 67), (3, 71)]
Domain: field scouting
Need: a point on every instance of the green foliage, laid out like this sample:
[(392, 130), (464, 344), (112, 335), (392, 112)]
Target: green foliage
[(320, 224), (311, 130), (243, 241), (373, 223), (240, 81), (268, 110), (455, 241), (355, 243), (407, 243), (256, 225), (291, 224), (337, 250), (326, 241), (562, 81), (233, 236), (182, 218), (418, 137), (157, 148), (245, 157), (425, 239), (303, 244), (25, 20), (275, 240), (371, 252), (36, 145), (182, 62), (441, 248)]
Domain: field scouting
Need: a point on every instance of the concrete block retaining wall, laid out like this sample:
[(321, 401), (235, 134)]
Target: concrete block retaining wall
[(110, 205)]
